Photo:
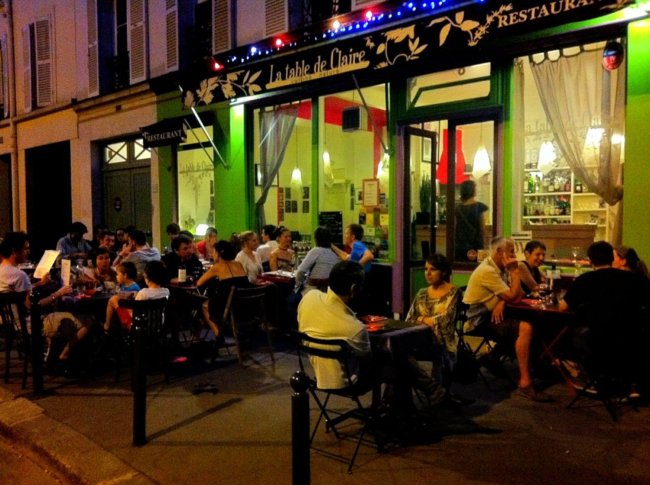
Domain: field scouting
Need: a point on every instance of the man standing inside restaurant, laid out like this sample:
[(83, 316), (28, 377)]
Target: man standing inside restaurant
[(495, 282), (329, 316)]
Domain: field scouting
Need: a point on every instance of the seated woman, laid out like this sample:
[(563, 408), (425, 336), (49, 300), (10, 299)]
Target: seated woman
[(204, 248), (314, 271), (247, 256), (155, 275), (436, 306), (102, 273), (531, 276), (229, 273), (627, 259), (282, 257)]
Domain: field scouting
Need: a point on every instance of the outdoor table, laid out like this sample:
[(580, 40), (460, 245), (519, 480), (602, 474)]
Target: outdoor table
[(280, 285), (88, 303), (395, 340), (550, 326)]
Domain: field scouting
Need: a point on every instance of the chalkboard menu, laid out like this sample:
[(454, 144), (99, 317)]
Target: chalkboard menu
[(334, 222)]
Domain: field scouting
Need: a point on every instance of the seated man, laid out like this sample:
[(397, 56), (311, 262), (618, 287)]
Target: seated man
[(352, 238), (495, 282), (74, 246), (609, 303), (328, 316), (138, 252), (182, 255)]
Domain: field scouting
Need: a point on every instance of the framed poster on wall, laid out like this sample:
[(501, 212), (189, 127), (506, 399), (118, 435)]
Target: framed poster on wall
[(370, 192)]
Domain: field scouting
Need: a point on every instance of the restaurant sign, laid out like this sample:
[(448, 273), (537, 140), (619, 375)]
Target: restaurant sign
[(165, 132), (454, 32)]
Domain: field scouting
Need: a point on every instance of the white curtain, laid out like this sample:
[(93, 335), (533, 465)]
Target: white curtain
[(276, 127), (578, 94)]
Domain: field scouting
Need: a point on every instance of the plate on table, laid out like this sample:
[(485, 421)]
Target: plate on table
[(374, 327)]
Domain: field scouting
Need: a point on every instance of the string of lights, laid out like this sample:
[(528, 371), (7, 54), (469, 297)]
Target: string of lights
[(338, 27)]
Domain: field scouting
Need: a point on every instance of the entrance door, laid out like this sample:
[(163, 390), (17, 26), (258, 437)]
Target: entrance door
[(6, 205), (49, 204), (128, 198), (127, 185), (445, 158)]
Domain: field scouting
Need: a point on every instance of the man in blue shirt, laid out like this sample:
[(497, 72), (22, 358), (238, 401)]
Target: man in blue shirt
[(74, 245), (352, 237)]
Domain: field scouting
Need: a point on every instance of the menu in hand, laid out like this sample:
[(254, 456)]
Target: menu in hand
[(46, 263)]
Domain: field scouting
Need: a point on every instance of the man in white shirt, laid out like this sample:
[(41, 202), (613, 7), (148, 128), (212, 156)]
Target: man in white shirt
[(15, 250), (328, 316), (495, 282), (268, 244)]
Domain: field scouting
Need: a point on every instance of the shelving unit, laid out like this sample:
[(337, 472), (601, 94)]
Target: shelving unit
[(558, 205)]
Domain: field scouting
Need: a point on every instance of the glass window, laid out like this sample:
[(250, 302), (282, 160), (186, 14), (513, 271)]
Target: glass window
[(195, 181), (116, 152), (568, 146), (140, 152), (470, 82), (282, 154), (353, 165)]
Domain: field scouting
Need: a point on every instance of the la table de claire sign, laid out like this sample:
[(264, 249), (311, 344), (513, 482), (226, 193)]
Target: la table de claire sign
[(422, 40)]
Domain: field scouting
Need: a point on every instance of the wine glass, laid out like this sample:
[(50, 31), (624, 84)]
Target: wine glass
[(575, 252), (545, 294)]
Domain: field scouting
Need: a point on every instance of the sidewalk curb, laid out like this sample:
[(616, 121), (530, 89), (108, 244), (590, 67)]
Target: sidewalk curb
[(80, 459)]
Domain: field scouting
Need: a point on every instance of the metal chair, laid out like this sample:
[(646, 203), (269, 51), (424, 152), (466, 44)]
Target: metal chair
[(246, 307), (13, 316), (150, 316), (340, 351)]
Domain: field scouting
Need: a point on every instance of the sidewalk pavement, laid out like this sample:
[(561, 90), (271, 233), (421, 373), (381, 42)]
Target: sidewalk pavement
[(242, 434)]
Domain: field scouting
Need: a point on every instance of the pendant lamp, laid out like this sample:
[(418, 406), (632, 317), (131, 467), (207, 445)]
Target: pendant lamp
[(442, 173)]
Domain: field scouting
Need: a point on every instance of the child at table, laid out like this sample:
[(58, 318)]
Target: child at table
[(127, 287)]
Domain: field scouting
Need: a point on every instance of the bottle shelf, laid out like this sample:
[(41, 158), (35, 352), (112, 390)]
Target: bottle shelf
[(546, 194), (597, 209), (547, 217)]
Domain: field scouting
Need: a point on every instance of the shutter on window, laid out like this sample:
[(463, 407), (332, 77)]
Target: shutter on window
[(137, 41), (27, 68), (93, 50), (4, 77), (221, 26), (276, 17), (363, 3), (44, 74), (171, 35)]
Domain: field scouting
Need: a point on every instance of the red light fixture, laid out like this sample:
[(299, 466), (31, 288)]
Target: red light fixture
[(278, 43), (368, 15), (216, 65)]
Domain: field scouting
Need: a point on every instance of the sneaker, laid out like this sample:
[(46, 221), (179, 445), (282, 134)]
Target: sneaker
[(529, 392), (493, 366)]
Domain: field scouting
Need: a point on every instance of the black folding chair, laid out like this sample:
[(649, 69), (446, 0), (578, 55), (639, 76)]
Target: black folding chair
[(13, 315), (340, 351), (150, 316), (246, 308), (610, 354)]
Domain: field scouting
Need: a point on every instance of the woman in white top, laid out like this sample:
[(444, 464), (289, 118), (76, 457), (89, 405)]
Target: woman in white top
[(314, 271), (247, 256)]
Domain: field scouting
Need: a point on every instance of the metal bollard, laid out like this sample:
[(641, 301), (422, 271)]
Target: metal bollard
[(139, 384), (300, 429)]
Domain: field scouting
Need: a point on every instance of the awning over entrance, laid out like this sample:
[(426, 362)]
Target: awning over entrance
[(454, 33)]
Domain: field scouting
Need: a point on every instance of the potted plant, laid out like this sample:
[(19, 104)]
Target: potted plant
[(424, 216)]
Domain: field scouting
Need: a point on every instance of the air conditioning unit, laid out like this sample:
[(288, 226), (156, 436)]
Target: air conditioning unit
[(354, 118)]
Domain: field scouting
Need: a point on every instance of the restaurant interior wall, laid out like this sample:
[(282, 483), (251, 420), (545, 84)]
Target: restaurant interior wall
[(636, 197)]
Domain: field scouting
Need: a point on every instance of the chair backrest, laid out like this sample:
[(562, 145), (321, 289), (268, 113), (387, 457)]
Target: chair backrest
[(13, 311), (334, 349), (148, 314), (246, 304)]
